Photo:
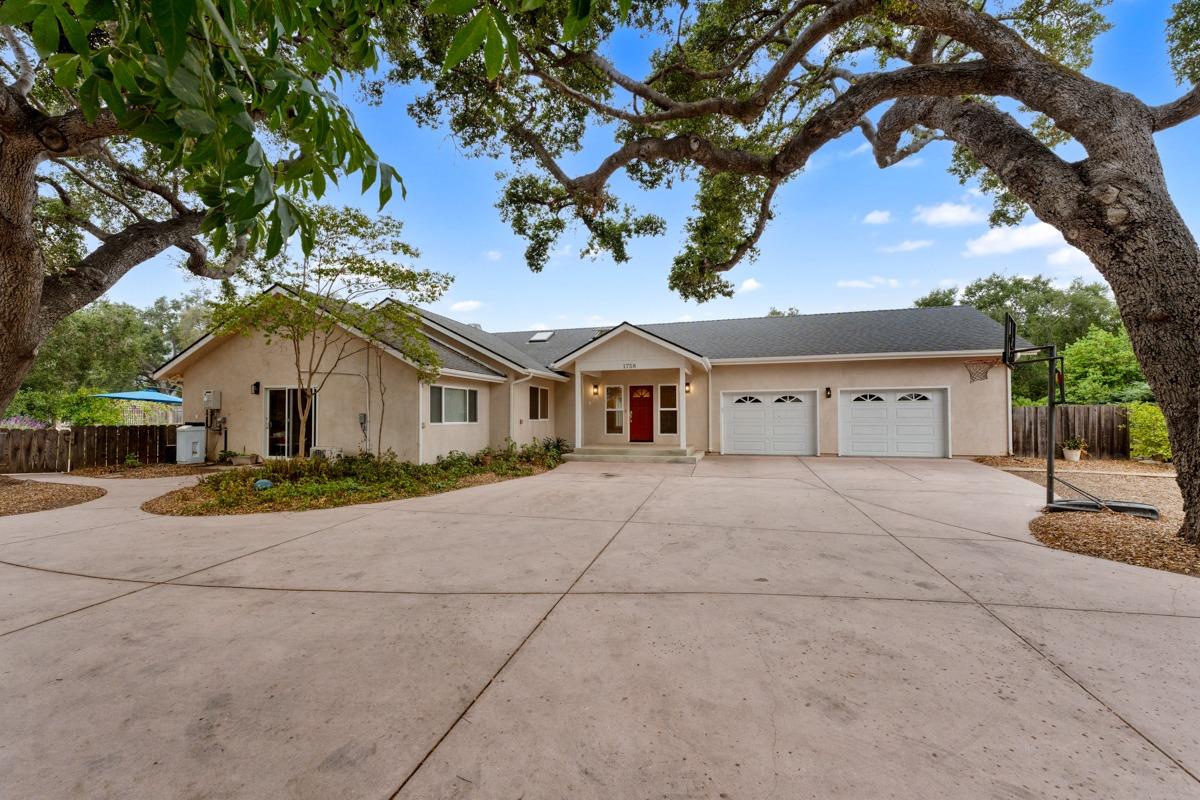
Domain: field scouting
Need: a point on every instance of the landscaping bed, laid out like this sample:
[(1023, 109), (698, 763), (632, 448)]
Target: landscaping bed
[(1086, 465), (301, 484), (24, 497), (1121, 537), (144, 471)]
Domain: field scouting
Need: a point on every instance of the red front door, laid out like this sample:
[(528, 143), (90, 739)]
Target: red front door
[(641, 413)]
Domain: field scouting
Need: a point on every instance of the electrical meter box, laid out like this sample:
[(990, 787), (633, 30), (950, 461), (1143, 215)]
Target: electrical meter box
[(212, 399)]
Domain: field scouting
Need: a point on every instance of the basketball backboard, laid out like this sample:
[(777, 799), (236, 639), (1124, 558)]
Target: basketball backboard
[(1010, 341)]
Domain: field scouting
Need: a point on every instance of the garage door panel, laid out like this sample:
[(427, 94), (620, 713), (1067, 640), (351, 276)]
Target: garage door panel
[(893, 422), (769, 423)]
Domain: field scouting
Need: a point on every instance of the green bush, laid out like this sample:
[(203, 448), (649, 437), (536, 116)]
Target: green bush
[(1148, 432)]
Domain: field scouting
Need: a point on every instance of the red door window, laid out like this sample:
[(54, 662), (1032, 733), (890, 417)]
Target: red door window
[(641, 413)]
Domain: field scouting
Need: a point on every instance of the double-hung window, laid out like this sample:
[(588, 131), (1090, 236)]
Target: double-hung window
[(614, 409), (539, 402), (451, 404), (668, 408)]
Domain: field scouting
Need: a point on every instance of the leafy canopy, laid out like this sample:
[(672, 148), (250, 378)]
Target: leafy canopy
[(237, 95), (1100, 367)]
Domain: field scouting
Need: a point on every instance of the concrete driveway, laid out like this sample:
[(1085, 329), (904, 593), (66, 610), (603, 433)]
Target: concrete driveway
[(744, 628)]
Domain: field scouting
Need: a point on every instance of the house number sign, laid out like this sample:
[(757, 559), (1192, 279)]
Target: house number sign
[(629, 365)]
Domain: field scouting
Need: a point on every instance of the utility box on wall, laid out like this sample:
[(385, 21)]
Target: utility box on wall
[(212, 399)]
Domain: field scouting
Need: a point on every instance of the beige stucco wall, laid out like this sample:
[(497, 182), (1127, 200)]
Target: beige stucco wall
[(526, 429), (468, 437), (979, 411), (233, 363)]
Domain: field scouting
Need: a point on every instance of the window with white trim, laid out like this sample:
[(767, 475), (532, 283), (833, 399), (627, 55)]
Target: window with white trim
[(449, 404), (913, 396), (749, 398), (788, 398), (668, 408), (868, 398), (614, 409), (539, 402)]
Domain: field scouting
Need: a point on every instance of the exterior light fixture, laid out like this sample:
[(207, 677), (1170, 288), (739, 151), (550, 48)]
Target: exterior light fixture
[(687, 387), (828, 393), (595, 390), (255, 387)]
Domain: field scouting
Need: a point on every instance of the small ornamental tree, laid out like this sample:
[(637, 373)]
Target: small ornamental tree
[(132, 127), (1101, 368), (351, 294), (737, 96)]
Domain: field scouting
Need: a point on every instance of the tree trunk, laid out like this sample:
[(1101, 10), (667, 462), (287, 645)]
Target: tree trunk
[(1152, 262)]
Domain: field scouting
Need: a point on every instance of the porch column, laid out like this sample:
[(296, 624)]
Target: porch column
[(682, 412), (578, 407)]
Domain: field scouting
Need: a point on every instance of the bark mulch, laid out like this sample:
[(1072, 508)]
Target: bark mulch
[(1086, 465), (1120, 537), (24, 497), (144, 471)]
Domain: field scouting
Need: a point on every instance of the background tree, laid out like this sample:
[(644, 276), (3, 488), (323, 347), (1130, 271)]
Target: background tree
[(133, 127), (182, 320), (738, 96), (1045, 314), (790, 311), (353, 277), (1100, 367)]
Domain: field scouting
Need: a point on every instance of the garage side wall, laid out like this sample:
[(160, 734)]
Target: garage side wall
[(979, 412)]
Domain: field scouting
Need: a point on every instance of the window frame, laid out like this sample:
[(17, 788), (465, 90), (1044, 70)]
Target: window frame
[(619, 410), (472, 394), (539, 408), (661, 408)]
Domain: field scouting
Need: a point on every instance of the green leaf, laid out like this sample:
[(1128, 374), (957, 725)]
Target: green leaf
[(171, 19), (453, 8), (530, 5), (573, 26), (67, 72), (45, 32), (195, 120), (623, 8), (264, 187), (18, 12), (580, 9), (493, 49), (468, 39), (89, 98), (74, 32), (185, 85), (230, 39), (514, 51)]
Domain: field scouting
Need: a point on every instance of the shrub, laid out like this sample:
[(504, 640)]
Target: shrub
[(23, 422), (1148, 432)]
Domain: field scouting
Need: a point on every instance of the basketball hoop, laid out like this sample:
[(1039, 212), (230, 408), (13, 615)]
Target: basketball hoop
[(978, 369)]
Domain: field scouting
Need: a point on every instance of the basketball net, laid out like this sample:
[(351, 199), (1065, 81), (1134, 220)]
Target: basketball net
[(979, 368)]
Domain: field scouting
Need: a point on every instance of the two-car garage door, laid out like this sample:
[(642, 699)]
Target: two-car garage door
[(892, 422), (769, 423)]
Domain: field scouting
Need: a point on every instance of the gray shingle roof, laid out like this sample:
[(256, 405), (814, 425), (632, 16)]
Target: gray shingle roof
[(905, 330), (452, 359), (489, 342)]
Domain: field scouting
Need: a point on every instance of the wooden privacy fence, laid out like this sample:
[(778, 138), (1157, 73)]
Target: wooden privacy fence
[(1104, 428), (90, 446)]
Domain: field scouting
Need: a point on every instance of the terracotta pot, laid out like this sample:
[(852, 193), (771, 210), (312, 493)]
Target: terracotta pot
[(242, 461)]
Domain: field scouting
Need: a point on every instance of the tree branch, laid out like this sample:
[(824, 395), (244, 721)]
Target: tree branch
[(1177, 111), (24, 79), (78, 219), (73, 288), (82, 176)]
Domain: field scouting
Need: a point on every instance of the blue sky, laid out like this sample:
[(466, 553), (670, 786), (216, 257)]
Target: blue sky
[(846, 235)]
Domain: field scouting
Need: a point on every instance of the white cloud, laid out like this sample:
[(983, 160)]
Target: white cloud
[(907, 246), (875, 282), (877, 218), (749, 285), (493, 255), (999, 241), (948, 214), (1067, 257), (466, 305)]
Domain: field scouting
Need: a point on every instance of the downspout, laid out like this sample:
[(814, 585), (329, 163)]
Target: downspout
[(512, 407)]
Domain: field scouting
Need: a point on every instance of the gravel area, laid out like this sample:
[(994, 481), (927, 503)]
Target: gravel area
[(144, 471), (24, 497), (1086, 465), (1121, 537)]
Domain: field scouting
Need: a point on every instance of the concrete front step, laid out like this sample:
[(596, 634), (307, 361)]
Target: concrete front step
[(618, 450), (636, 457)]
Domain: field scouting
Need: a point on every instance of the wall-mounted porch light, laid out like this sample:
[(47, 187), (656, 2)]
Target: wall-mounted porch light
[(687, 387), (255, 387), (595, 390), (828, 393)]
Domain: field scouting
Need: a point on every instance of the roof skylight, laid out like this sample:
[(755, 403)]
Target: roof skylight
[(541, 336)]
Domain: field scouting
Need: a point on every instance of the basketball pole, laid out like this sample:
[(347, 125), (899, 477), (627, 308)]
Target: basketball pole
[(1051, 386)]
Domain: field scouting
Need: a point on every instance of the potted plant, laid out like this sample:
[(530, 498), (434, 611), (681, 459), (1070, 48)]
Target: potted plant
[(1073, 447)]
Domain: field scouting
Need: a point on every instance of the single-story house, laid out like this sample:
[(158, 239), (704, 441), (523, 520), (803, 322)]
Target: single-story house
[(867, 383)]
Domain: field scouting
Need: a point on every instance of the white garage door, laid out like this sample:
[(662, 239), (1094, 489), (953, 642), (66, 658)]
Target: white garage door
[(769, 423), (892, 422)]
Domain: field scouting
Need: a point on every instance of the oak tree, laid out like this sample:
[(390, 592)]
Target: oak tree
[(737, 96), (132, 127)]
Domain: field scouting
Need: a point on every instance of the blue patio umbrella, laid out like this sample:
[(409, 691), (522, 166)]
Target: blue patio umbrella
[(144, 395)]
